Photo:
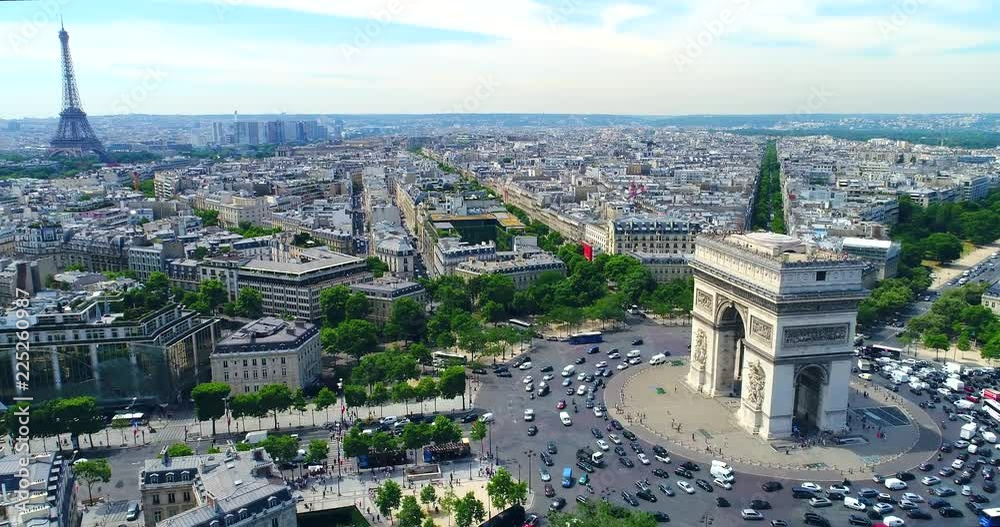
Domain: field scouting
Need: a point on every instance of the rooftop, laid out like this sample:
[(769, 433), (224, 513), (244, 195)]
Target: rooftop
[(268, 331)]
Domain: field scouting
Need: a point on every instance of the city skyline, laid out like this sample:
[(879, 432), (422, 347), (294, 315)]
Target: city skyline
[(569, 56)]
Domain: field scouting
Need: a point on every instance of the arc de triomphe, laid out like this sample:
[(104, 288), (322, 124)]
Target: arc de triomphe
[(774, 322)]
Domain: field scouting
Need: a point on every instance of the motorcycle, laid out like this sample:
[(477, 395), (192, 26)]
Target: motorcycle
[(591, 489), (532, 396)]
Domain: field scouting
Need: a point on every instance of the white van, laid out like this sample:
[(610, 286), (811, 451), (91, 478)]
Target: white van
[(564, 417), (529, 414), (659, 358), (568, 371), (895, 484), (989, 437), (722, 471), (633, 354), (853, 503), (486, 418)]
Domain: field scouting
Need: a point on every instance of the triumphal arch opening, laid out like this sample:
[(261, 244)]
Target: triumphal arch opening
[(773, 323)]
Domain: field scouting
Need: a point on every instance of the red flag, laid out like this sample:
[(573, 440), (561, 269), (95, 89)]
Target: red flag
[(342, 408)]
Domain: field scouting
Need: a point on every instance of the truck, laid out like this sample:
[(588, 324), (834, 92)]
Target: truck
[(588, 455), (968, 431), (955, 384), (953, 367), (456, 450), (256, 437), (864, 365)]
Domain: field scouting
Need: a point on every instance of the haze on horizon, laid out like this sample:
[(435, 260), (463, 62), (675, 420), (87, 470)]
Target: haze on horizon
[(671, 57)]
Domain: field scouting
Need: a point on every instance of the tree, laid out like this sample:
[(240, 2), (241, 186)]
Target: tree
[(210, 401), (452, 383), (448, 502), (324, 399), (281, 448), (249, 303), (318, 452), (77, 416), (355, 338), (388, 496), (299, 403), (402, 392), (356, 442), (504, 491), (410, 513), (416, 435), (602, 514), (407, 320), (213, 294), (179, 450), (991, 349), (936, 341), (428, 495), (469, 510), (445, 430), (943, 247), (354, 395), (427, 388), (92, 471), (244, 405), (478, 433), (275, 398), (376, 266), (356, 306), (332, 302)]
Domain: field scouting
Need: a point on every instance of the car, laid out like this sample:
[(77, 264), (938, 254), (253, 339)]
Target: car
[(567, 381), (544, 474), (603, 445), (919, 514), (469, 418), (966, 490), (686, 487), (683, 472), (690, 465), (957, 464), (759, 505), (779, 523), (771, 486), (925, 467), (907, 505), (550, 447), (662, 458), (885, 497), (620, 450), (557, 504), (580, 390), (818, 502), (133, 511), (905, 476), (894, 484), (703, 485), (867, 493), (614, 355), (946, 472), (637, 342), (646, 495), (914, 498), (841, 489), (561, 404), (546, 369), (629, 435), (989, 487), (634, 361), (548, 377), (893, 521), (950, 512), (859, 520), (622, 366), (721, 483), (930, 480), (546, 459), (661, 517), (811, 486), (525, 366), (946, 448), (549, 491), (580, 360), (721, 502), (615, 439), (529, 414), (882, 508), (643, 458), (532, 430), (529, 388), (586, 467), (878, 478), (943, 492), (854, 503), (660, 473), (811, 518), (979, 498), (616, 424), (629, 499), (666, 489), (596, 432), (626, 462), (974, 507)]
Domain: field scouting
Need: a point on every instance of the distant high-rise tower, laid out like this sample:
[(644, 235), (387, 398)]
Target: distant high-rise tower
[(74, 136)]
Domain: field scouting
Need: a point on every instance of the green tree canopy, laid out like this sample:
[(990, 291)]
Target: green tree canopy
[(275, 398), (179, 450), (92, 471), (210, 401), (388, 496)]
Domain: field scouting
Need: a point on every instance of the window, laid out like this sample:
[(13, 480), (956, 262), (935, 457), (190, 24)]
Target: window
[(282, 360), (157, 516), (820, 276), (253, 361), (185, 476), (225, 375), (171, 498), (274, 522), (187, 497), (246, 389), (263, 362), (244, 363), (154, 478), (225, 364), (156, 499), (170, 477)]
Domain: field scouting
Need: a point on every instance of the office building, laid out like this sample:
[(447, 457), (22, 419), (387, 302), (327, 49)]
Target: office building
[(268, 351)]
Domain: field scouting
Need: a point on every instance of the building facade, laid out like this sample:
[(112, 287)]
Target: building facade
[(50, 497), (268, 351), (383, 293), (293, 288)]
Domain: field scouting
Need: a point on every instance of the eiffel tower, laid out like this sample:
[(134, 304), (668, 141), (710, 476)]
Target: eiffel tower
[(74, 136)]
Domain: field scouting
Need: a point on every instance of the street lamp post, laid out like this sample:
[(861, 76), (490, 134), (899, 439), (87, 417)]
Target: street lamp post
[(343, 402), (225, 401)]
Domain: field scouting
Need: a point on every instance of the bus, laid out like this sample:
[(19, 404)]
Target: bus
[(989, 517), (588, 337), (129, 419), (520, 323), (878, 350), (443, 358), (992, 408)]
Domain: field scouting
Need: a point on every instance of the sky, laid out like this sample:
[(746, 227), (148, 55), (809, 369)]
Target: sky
[(657, 57)]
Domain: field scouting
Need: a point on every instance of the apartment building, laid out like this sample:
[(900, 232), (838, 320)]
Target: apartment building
[(50, 497), (268, 351), (383, 293), (144, 260), (292, 288), (524, 270), (235, 209), (451, 251), (231, 489), (646, 234)]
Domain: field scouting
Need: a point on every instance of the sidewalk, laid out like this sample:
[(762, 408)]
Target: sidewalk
[(186, 428)]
